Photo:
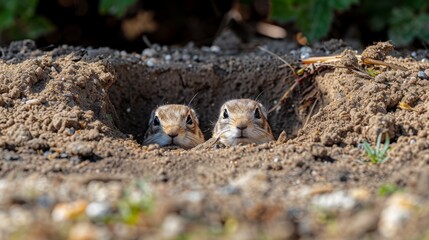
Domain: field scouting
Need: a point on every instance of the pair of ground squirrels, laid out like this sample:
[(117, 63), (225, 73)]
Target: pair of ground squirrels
[(240, 121)]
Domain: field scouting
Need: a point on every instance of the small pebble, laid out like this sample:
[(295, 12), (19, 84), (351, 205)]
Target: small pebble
[(215, 49), (152, 147), (398, 211), (194, 196), (93, 134), (97, 209), (172, 226), (167, 57), (253, 181), (10, 156), (422, 75), (80, 148), (38, 144), (68, 211), (150, 62), (338, 200), (34, 101), (186, 57), (149, 52), (44, 201), (305, 52)]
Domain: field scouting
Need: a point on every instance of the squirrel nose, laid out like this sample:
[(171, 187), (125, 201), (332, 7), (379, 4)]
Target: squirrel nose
[(242, 126), (173, 135)]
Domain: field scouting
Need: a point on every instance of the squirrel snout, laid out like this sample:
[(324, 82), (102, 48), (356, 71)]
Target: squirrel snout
[(242, 124), (173, 135), (172, 132)]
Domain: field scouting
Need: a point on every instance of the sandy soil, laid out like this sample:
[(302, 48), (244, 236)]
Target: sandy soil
[(72, 166)]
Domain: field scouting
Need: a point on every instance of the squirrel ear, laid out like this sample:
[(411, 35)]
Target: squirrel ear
[(263, 110), (194, 115), (152, 116)]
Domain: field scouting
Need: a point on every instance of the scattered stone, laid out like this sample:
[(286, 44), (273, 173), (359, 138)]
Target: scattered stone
[(194, 196), (398, 210), (149, 52), (152, 147), (19, 133), (319, 150), (38, 144), (422, 75), (81, 149), (339, 200), (151, 62), (253, 181), (360, 194), (93, 134), (97, 210), (215, 49), (9, 156), (172, 226), (34, 101), (61, 121), (305, 52), (167, 57), (45, 201), (68, 211)]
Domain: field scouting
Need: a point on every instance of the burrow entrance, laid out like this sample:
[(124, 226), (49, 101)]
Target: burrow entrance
[(140, 88)]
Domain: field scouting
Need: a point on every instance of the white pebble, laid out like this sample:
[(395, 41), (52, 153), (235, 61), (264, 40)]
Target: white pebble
[(150, 62), (215, 49), (34, 101), (172, 226), (398, 211), (336, 200), (97, 209)]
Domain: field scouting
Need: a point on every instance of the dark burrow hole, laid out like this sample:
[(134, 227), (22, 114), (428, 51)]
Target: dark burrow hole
[(139, 89)]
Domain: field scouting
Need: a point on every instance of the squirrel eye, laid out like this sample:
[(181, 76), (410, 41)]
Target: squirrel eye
[(156, 121), (225, 114), (189, 120), (257, 113)]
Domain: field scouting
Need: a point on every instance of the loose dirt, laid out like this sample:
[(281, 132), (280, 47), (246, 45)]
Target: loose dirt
[(72, 164)]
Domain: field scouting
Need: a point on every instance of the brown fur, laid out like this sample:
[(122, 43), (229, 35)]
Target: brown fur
[(173, 121), (242, 114)]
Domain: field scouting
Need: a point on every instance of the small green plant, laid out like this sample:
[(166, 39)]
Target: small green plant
[(372, 72), (377, 154), (387, 189), (136, 201)]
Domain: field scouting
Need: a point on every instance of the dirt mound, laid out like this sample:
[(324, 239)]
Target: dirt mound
[(72, 119)]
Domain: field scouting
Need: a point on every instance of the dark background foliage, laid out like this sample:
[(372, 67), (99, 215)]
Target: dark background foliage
[(122, 24)]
